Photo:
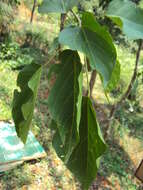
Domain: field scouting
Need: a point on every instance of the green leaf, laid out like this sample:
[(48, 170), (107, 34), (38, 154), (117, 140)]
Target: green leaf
[(95, 42), (115, 77), (84, 161), (65, 98), (24, 101), (128, 16), (57, 6)]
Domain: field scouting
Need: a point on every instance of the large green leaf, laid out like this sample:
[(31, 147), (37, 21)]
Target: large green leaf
[(94, 41), (128, 16), (64, 101), (84, 161), (57, 6), (24, 100)]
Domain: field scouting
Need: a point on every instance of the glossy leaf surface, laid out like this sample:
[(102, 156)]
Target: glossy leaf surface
[(65, 98)]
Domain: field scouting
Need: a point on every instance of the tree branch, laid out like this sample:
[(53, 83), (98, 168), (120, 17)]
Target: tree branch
[(63, 18), (92, 81), (33, 10), (128, 91), (62, 23)]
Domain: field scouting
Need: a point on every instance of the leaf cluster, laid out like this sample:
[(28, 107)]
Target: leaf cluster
[(78, 140)]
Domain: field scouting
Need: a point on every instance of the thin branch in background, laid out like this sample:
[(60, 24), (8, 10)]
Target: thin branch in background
[(63, 18), (92, 78), (128, 91), (92, 81), (33, 10), (62, 23)]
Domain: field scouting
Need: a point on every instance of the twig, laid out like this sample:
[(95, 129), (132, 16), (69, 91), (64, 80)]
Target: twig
[(134, 75), (62, 22), (92, 81), (63, 18), (33, 10)]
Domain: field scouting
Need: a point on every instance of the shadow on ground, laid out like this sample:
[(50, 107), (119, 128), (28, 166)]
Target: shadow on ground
[(117, 167)]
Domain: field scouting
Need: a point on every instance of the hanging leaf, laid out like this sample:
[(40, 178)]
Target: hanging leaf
[(84, 161), (64, 101), (95, 42), (24, 100), (57, 6), (115, 77), (128, 16)]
